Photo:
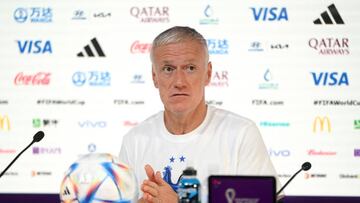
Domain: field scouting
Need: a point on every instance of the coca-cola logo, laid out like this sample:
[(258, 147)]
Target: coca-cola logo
[(40, 78), (130, 123), (7, 151), (138, 47)]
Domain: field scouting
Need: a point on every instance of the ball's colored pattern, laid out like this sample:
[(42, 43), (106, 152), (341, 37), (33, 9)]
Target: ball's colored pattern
[(98, 177)]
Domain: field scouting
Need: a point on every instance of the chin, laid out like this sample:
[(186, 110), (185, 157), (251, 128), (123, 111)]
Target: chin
[(178, 109)]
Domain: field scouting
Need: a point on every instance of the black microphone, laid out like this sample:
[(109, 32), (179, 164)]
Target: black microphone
[(304, 167), (37, 138)]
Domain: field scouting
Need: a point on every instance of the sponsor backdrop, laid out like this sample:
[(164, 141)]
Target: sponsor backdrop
[(80, 71)]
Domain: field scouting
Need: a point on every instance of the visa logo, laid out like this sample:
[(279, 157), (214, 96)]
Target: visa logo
[(282, 153), (92, 124), (270, 14), (34, 46), (330, 78)]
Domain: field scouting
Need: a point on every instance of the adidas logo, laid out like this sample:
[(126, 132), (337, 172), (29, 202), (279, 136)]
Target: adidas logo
[(66, 191), (89, 51), (326, 17)]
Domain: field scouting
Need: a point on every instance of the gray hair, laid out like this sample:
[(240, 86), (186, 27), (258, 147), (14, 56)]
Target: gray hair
[(178, 34)]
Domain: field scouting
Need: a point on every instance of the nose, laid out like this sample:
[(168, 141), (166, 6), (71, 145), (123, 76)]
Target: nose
[(180, 79)]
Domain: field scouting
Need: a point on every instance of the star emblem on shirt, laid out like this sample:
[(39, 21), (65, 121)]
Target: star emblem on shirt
[(172, 159), (182, 159)]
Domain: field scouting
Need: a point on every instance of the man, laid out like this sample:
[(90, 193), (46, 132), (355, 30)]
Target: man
[(188, 132)]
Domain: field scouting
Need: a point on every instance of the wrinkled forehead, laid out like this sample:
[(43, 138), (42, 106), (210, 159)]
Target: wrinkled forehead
[(179, 53), (185, 46)]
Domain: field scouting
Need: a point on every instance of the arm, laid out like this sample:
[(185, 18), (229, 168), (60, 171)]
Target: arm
[(253, 157)]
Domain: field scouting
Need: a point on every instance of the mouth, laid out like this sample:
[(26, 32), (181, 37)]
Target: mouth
[(179, 95)]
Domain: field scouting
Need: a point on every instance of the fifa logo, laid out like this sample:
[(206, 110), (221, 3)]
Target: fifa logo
[(321, 121), (4, 123)]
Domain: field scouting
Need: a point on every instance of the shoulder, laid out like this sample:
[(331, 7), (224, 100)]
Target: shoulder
[(145, 128), (236, 128), (225, 116)]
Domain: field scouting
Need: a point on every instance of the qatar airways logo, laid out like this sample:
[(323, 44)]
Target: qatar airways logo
[(151, 14), (140, 48), (40, 78), (313, 152), (330, 45), (220, 79)]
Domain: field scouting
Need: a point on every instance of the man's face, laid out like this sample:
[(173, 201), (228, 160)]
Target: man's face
[(180, 71)]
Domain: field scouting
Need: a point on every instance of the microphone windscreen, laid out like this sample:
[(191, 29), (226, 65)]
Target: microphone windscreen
[(306, 166), (38, 136)]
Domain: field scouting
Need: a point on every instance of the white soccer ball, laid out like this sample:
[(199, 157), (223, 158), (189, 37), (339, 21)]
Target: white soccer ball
[(98, 177)]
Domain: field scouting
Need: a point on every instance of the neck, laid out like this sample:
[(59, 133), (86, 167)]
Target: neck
[(179, 124)]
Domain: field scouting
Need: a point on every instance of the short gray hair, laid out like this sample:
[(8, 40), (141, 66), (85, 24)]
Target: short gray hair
[(178, 34)]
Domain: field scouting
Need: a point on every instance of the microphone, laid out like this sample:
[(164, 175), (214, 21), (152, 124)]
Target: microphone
[(37, 138), (304, 167)]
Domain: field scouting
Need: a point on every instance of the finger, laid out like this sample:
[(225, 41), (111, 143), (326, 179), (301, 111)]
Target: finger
[(146, 197), (151, 189), (142, 200), (159, 180), (150, 172), (150, 183), (149, 198)]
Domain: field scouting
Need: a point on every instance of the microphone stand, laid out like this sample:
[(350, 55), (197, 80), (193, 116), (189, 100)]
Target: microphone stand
[(37, 137)]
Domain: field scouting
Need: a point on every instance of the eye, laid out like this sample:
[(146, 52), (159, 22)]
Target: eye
[(190, 68), (167, 69)]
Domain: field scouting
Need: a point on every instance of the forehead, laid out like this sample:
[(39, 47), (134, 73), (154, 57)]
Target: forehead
[(189, 51)]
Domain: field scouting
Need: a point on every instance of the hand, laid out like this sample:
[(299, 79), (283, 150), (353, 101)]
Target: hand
[(156, 190)]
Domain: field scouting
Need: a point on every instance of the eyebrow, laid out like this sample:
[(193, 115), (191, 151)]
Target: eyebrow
[(167, 62)]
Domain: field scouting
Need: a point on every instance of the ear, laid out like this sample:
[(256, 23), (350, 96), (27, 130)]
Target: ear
[(208, 73), (154, 77)]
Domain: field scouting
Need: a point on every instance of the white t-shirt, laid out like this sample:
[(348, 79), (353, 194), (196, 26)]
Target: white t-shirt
[(224, 143)]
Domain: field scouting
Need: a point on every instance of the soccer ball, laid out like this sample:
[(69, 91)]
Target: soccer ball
[(98, 177)]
